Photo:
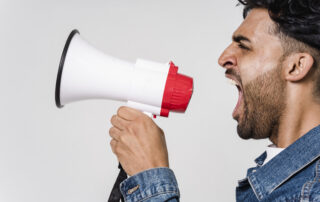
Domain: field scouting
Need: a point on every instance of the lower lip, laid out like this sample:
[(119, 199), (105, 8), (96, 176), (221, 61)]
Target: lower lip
[(235, 112)]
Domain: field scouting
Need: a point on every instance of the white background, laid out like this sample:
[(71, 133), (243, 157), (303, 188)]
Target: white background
[(63, 155)]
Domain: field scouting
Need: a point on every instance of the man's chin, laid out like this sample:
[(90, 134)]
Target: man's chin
[(247, 132), (243, 134), (244, 129)]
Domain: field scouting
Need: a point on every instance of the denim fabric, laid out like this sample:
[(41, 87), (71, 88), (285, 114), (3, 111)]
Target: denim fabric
[(154, 185), (292, 175)]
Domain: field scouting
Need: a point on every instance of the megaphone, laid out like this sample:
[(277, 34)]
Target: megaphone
[(87, 73)]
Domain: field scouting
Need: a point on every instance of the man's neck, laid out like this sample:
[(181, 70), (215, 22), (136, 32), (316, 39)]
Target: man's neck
[(302, 113)]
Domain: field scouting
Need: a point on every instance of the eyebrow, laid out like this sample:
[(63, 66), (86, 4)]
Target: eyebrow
[(239, 38)]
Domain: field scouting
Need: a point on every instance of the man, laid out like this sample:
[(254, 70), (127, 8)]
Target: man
[(274, 60)]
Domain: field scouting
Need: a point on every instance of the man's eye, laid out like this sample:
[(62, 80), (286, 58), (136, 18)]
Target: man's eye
[(243, 47)]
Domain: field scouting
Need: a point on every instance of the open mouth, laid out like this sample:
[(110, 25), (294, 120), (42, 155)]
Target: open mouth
[(236, 111)]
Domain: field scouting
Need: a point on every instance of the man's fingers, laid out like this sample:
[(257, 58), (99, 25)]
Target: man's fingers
[(113, 144), (128, 113), (119, 122), (114, 133)]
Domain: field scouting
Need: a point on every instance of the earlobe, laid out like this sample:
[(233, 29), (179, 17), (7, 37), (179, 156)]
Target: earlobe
[(298, 66)]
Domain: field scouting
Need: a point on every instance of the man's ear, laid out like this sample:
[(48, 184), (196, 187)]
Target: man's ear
[(297, 66)]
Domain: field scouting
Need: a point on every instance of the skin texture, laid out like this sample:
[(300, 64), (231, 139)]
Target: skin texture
[(277, 102), (255, 63), (137, 141), (262, 107)]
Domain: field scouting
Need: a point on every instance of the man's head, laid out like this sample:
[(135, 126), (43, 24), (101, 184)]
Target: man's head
[(274, 55)]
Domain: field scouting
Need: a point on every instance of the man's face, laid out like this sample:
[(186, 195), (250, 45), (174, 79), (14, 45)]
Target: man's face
[(253, 60)]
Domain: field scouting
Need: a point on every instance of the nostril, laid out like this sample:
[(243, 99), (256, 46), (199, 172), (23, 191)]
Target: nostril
[(227, 64)]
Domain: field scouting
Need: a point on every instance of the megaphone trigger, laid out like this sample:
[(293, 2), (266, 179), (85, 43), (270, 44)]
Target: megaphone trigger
[(146, 109), (149, 114)]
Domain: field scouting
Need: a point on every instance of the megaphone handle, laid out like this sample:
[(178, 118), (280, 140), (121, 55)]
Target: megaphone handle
[(115, 195)]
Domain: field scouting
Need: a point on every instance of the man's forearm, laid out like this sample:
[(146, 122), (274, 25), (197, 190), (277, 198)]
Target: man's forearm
[(157, 185)]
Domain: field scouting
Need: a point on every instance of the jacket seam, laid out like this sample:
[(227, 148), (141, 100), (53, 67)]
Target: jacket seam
[(306, 188), (153, 195), (256, 192), (292, 174)]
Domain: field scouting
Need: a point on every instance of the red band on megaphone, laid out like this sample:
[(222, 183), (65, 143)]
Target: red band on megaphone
[(177, 93)]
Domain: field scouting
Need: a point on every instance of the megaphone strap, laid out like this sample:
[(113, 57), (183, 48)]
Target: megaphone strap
[(115, 195)]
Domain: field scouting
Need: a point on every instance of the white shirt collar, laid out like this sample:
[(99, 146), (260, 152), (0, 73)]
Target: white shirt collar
[(272, 151)]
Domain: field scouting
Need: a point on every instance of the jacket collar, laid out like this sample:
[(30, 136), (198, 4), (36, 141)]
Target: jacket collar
[(290, 161)]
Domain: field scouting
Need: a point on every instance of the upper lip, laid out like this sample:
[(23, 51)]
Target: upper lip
[(229, 76)]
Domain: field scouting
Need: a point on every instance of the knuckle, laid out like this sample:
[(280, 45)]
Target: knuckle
[(139, 122), (132, 126), (122, 138), (121, 110), (113, 118), (112, 144), (111, 130), (118, 150)]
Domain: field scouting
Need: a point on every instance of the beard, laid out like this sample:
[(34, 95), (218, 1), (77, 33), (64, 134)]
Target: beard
[(263, 105)]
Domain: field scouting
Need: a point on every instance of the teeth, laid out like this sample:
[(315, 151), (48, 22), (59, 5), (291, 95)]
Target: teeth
[(233, 82)]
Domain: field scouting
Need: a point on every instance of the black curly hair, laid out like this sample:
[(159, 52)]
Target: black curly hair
[(297, 23), (299, 19)]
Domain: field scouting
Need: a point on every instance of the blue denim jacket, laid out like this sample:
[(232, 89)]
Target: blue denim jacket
[(292, 175)]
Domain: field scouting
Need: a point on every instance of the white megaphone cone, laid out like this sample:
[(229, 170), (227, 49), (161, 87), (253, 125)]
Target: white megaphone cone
[(87, 73)]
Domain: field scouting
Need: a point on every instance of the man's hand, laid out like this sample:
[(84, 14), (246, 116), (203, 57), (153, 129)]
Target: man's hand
[(137, 141)]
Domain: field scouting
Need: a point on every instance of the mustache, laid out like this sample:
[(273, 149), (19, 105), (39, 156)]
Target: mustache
[(234, 73)]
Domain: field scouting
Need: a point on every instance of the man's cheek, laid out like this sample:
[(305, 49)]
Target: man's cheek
[(249, 74)]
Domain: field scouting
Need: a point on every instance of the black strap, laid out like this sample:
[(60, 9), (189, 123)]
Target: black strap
[(115, 195)]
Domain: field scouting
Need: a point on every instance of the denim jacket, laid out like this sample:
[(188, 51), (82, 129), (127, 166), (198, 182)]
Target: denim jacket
[(292, 175)]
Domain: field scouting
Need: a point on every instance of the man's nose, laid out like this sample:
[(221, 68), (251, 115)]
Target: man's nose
[(227, 59)]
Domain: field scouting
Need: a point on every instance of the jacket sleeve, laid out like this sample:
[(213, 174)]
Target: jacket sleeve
[(156, 185)]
